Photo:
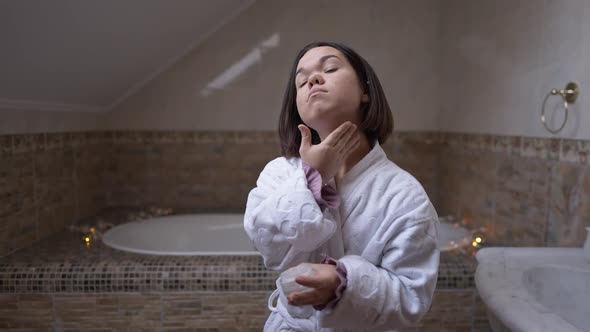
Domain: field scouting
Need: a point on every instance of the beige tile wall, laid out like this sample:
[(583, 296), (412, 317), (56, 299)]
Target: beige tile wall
[(192, 171), (48, 181), (53, 180), (526, 192)]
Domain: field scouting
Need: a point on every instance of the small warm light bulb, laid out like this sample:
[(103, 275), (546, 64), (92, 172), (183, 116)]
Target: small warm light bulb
[(474, 244), (92, 229), (87, 239), (478, 239)]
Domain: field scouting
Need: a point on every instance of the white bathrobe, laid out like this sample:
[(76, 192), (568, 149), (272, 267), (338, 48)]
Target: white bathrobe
[(384, 232)]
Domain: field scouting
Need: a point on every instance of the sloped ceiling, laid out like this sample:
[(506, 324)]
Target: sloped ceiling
[(87, 55)]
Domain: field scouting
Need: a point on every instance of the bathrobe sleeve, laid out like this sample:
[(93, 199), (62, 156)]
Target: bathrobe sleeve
[(391, 284), (282, 217)]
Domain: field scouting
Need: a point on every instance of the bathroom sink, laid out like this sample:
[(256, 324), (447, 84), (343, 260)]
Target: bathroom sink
[(535, 289)]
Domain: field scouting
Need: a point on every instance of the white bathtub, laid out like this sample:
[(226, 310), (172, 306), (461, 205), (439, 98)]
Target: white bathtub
[(535, 289), (215, 234)]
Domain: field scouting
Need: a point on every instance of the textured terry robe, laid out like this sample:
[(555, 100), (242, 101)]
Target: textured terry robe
[(384, 232)]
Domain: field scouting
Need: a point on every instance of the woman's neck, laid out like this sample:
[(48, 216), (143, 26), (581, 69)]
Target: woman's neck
[(354, 157)]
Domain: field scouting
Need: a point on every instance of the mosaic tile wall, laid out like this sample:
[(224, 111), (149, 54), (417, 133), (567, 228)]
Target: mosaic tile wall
[(205, 312), (61, 283), (451, 311)]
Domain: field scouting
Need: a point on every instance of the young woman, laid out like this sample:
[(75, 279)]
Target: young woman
[(334, 200)]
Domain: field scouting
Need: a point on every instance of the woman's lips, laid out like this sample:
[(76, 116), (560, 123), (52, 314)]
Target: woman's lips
[(316, 92)]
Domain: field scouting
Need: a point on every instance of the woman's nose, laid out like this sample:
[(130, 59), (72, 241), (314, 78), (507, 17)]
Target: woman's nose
[(315, 79)]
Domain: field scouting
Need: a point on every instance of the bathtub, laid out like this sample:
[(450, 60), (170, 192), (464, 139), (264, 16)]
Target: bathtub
[(535, 288), (217, 234)]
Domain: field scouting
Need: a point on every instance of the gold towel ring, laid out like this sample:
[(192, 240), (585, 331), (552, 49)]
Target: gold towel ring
[(569, 96)]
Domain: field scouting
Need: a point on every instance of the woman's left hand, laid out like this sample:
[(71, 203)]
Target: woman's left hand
[(324, 284)]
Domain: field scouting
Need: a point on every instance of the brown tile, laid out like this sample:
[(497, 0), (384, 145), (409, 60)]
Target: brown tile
[(8, 302), (54, 191), (470, 141), (569, 211), (522, 192), (23, 143), (217, 311), (76, 139), (55, 164), (454, 140), (91, 159), (32, 312), (56, 206), (450, 311), (107, 137), (507, 144), (24, 231), (418, 154), (424, 168), (127, 137), (6, 145), (125, 195), (90, 172), (92, 197), (17, 203), (146, 137), (187, 137), (481, 326), (17, 169), (208, 137), (55, 141), (466, 186), (168, 137), (480, 318), (28, 143), (543, 148), (241, 155), (576, 151), (94, 138), (17, 198), (39, 142), (254, 137), (6, 243), (481, 142)]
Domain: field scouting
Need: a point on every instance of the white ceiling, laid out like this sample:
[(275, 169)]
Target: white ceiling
[(88, 55)]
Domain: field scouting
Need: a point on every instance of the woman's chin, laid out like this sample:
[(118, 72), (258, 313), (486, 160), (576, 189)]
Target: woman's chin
[(324, 128), (323, 120)]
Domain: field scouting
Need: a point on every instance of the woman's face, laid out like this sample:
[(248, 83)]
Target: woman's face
[(328, 90)]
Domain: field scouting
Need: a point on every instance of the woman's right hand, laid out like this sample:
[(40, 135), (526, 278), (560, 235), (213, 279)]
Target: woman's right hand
[(328, 156)]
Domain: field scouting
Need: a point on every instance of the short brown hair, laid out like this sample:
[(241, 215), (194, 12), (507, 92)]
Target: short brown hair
[(377, 118)]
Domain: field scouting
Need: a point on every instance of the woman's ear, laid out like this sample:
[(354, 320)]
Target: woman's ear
[(365, 98)]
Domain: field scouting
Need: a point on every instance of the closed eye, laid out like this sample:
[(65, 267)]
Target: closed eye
[(331, 70)]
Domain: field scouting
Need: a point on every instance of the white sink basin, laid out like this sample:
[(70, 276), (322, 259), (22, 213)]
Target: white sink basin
[(535, 289)]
